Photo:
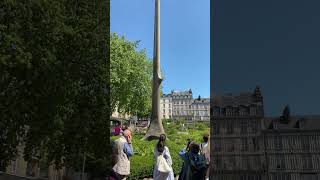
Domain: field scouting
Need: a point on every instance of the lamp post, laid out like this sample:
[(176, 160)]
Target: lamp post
[(156, 129)]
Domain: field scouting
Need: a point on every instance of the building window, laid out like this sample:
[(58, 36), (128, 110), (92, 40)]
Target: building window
[(244, 144), (216, 111), (229, 128), (228, 111), (277, 142), (275, 125), (253, 111), (216, 129), (223, 111), (307, 162), (217, 146), (252, 126), (243, 126), (301, 124)]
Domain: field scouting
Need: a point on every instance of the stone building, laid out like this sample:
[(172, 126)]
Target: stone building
[(292, 147), (181, 102), (248, 146), (116, 114), (236, 136), (166, 106), (200, 108), (181, 105), (32, 169)]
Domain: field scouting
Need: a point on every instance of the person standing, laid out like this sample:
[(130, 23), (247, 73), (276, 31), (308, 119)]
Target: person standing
[(205, 151), (162, 150), (194, 163), (117, 130), (122, 151)]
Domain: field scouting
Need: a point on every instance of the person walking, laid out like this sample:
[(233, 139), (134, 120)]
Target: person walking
[(194, 163), (205, 151), (122, 151), (163, 159)]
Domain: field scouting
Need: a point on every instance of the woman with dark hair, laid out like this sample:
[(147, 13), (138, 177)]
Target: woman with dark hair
[(161, 152), (194, 166)]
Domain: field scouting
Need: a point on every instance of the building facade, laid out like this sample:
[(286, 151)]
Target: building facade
[(236, 137), (166, 106), (292, 148), (32, 169), (200, 109), (181, 105), (248, 146), (116, 114), (181, 101)]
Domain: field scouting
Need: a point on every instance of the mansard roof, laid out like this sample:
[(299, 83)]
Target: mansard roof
[(309, 122), (166, 96), (181, 93), (244, 99), (201, 100)]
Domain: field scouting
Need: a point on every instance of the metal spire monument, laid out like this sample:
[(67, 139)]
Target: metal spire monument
[(156, 129)]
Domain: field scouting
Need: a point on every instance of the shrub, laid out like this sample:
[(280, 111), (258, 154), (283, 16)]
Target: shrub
[(143, 160)]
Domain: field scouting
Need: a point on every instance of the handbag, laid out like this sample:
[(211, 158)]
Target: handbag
[(162, 164)]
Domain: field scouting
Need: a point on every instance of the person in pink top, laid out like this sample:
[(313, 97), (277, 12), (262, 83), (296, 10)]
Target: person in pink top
[(117, 130)]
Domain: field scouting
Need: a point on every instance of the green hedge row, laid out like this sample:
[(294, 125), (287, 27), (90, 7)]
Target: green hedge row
[(143, 160)]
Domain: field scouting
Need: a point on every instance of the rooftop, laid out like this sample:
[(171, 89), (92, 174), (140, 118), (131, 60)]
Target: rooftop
[(309, 122)]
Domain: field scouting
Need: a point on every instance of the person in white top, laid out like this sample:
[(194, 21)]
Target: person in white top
[(205, 151), (162, 149)]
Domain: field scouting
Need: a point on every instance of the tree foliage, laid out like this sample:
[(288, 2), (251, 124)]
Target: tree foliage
[(130, 77), (53, 75)]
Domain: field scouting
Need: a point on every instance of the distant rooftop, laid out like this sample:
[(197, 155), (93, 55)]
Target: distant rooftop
[(309, 122), (179, 93), (201, 100), (243, 98)]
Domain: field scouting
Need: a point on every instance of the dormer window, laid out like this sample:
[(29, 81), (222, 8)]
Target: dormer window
[(275, 125), (216, 111), (301, 123), (228, 111)]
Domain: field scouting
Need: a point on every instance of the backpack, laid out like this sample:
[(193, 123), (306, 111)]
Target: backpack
[(197, 167)]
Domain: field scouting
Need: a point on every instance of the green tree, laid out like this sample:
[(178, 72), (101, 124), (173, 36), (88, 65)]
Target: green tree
[(131, 77), (53, 75)]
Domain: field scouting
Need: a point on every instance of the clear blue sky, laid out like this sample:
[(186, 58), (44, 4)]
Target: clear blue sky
[(273, 43), (185, 38)]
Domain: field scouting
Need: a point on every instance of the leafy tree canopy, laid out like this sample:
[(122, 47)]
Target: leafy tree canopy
[(130, 77), (53, 74)]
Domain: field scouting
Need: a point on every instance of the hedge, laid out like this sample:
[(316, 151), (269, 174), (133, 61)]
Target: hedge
[(143, 159)]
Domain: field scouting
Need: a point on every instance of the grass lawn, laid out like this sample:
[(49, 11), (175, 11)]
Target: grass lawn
[(143, 160)]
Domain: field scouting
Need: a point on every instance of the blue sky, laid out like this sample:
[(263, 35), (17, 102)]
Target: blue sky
[(271, 43), (185, 38)]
